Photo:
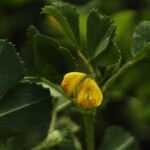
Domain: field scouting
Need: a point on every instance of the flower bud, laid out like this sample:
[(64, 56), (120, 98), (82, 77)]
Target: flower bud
[(87, 93), (70, 81), (55, 24)]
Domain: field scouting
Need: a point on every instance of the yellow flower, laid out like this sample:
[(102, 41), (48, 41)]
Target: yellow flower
[(87, 93), (70, 81)]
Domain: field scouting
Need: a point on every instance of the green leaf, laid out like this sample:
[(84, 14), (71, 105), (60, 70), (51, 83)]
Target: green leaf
[(67, 16), (100, 30), (57, 92), (25, 107), (144, 53), (108, 62), (118, 139), (108, 57), (141, 38), (11, 68), (59, 139), (50, 58)]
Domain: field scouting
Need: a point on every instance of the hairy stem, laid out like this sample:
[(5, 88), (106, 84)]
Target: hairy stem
[(53, 120), (88, 120)]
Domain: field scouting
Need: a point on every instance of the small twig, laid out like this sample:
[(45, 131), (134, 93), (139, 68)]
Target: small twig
[(115, 76)]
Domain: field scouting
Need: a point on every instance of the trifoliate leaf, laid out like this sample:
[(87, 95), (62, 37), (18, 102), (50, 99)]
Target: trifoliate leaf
[(50, 58)]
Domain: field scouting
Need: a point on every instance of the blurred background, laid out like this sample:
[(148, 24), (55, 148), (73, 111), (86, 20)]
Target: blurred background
[(128, 103)]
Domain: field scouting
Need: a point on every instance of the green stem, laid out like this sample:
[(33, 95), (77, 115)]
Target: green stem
[(51, 85), (86, 63), (115, 76), (89, 131), (53, 120), (63, 106)]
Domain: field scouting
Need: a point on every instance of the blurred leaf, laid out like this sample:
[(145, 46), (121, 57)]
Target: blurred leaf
[(15, 2), (12, 144), (141, 38), (82, 26), (70, 142), (25, 107), (100, 30), (32, 30), (68, 18), (11, 68), (62, 137), (59, 139), (118, 139), (67, 123), (127, 81), (125, 22), (53, 138), (50, 58)]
